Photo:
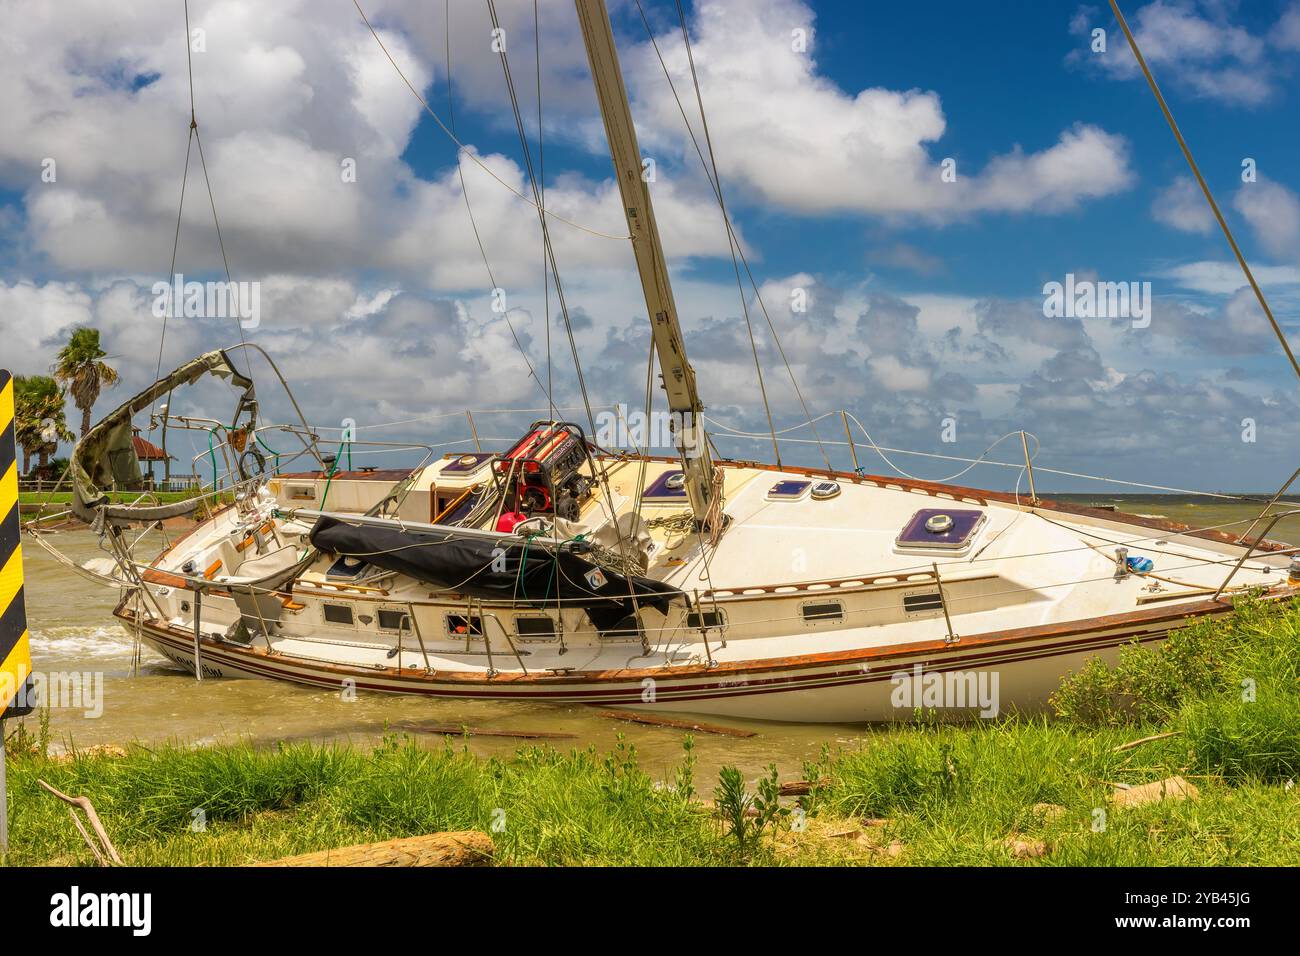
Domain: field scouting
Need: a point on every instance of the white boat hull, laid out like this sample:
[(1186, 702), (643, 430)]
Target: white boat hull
[(988, 681)]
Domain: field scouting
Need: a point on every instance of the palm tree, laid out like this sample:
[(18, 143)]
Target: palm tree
[(79, 367), (40, 418)]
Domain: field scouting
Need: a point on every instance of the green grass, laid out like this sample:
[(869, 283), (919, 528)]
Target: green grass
[(1226, 693)]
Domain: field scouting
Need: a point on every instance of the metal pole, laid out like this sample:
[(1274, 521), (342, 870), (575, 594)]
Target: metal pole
[(704, 631), (844, 417), (198, 613), (4, 796), (943, 603), (415, 626), (473, 430), (1029, 468), (487, 641)]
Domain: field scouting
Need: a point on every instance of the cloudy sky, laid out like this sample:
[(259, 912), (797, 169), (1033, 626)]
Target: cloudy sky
[(833, 125)]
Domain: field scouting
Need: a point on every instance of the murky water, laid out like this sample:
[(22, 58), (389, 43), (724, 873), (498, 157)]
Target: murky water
[(72, 630)]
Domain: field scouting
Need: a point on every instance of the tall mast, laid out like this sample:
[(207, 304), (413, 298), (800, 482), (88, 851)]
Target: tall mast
[(678, 376)]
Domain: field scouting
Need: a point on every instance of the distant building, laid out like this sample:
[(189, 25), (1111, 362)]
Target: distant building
[(148, 453)]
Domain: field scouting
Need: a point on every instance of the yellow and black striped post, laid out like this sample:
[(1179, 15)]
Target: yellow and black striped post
[(15, 662)]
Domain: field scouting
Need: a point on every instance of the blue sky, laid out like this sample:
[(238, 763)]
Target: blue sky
[(926, 296)]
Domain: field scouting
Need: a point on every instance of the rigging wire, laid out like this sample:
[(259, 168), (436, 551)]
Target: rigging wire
[(731, 238), (600, 475), (541, 182), (470, 152), (541, 218), (464, 192), (192, 139), (734, 239), (1214, 206), (728, 432)]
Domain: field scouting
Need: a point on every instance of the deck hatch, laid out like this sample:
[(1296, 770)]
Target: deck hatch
[(788, 490), (466, 463), (949, 529), (670, 486)]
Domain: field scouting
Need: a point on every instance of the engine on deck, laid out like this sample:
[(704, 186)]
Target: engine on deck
[(541, 474)]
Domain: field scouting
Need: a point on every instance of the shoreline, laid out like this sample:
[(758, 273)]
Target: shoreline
[(1140, 762)]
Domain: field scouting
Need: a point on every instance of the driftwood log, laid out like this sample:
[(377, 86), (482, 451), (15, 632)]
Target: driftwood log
[(635, 717), (456, 730), (454, 848)]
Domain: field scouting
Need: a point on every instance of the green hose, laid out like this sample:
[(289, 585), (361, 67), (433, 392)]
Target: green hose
[(213, 455), (328, 479), (258, 437)]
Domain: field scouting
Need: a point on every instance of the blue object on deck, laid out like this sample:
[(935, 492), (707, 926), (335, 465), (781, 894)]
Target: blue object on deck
[(1141, 565)]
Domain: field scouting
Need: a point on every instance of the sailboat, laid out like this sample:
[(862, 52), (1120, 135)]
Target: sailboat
[(557, 571)]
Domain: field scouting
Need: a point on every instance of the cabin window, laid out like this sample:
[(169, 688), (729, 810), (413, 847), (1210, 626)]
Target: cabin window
[(464, 625), (457, 506), (929, 601), (536, 627), (337, 614), (300, 492), (627, 629), (823, 612), (391, 619), (707, 619)]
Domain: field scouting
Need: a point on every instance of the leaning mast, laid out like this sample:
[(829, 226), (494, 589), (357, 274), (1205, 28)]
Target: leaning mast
[(676, 372)]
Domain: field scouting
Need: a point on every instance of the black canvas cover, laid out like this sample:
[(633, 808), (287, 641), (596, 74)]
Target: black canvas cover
[(495, 569)]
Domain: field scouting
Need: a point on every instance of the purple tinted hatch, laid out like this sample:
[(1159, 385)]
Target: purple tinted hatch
[(964, 524), (660, 487), (463, 463), (789, 489)]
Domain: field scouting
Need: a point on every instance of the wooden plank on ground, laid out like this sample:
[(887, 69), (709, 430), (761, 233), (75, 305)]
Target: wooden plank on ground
[(657, 721), (456, 730)]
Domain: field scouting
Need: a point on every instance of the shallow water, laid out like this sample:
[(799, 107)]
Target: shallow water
[(72, 630)]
